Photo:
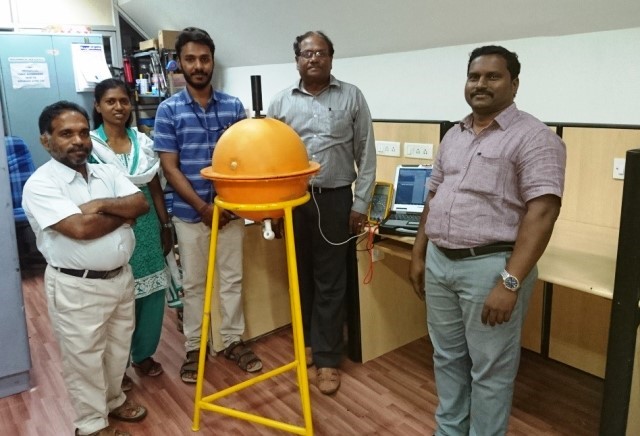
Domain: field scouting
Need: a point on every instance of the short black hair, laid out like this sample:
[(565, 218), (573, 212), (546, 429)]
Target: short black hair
[(300, 38), (513, 64), (53, 111), (194, 34), (99, 92)]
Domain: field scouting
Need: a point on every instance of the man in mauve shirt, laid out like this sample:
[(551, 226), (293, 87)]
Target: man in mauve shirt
[(495, 194)]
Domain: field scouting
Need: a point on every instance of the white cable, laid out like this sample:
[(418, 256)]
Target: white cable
[(320, 227)]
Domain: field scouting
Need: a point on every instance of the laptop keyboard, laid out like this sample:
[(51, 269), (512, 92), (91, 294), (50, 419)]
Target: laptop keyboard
[(412, 218)]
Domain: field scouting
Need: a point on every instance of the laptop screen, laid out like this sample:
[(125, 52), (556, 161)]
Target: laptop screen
[(411, 188)]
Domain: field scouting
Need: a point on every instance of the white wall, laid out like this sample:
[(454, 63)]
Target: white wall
[(586, 78)]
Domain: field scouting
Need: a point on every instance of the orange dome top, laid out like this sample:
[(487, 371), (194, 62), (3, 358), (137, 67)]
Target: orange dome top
[(262, 148), (260, 161)]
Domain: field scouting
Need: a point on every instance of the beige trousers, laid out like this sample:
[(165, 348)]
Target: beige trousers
[(93, 322), (193, 246)]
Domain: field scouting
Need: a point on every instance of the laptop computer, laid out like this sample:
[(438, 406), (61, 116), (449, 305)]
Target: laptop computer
[(410, 193)]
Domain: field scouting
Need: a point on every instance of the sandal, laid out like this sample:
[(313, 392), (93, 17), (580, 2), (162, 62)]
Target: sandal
[(129, 412), (148, 367), (189, 369), (243, 356), (127, 383)]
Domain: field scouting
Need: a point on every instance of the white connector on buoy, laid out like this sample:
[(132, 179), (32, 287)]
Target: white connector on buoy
[(267, 231)]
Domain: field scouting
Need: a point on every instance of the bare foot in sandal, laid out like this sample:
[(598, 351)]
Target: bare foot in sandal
[(243, 356), (129, 412), (148, 367), (189, 368)]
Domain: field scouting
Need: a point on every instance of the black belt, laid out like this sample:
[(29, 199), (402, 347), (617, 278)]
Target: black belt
[(462, 253), (90, 274), (320, 190)]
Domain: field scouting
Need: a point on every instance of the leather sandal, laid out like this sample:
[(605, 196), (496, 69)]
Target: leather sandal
[(189, 368), (148, 367), (328, 380), (243, 356), (129, 412)]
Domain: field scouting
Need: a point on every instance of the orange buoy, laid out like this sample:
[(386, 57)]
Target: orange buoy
[(260, 161)]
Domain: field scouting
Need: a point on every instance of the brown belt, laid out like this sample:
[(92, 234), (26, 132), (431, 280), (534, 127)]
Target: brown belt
[(463, 253)]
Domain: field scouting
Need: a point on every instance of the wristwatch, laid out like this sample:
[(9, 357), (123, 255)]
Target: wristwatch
[(510, 282)]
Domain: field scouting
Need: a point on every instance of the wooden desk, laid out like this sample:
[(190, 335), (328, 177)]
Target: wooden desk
[(575, 333), (579, 288), (585, 272), (391, 315)]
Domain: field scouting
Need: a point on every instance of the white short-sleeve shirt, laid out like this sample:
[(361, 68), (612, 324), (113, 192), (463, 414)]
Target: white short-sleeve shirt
[(54, 193)]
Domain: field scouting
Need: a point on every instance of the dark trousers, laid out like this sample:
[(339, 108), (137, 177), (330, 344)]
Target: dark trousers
[(322, 272)]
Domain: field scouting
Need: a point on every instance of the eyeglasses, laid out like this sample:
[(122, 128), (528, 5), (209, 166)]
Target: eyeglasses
[(308, 54)]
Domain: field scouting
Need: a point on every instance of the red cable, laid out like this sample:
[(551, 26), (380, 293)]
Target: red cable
[(369, 275)]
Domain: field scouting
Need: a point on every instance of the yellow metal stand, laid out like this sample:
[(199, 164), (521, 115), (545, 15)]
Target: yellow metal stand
[(299, 364)]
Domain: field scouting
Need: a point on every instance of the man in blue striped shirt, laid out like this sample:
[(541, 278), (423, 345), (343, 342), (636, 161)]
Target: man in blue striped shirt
[(187, 128)]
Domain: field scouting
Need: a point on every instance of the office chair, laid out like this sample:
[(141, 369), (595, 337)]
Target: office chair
[(21, 167)]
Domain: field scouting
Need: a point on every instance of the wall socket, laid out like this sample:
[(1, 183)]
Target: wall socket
[(618, 168), (387, 148), (417, 150)]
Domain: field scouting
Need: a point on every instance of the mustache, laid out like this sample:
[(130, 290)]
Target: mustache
[(473, 94)]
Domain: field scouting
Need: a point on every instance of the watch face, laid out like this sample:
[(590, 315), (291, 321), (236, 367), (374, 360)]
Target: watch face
[(511, 282)]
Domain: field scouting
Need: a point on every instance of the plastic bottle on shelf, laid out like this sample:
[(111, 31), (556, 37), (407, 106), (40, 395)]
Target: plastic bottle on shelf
[(144, 79), (144, 85), (128, 71), (154, 84)]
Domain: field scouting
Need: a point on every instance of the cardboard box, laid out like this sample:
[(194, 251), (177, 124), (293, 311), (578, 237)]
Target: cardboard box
[(176, 83), (167, 39), (149, 44)]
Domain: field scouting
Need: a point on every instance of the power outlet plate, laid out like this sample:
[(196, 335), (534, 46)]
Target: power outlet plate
[(618, 168), (417, 150), (388, 148)]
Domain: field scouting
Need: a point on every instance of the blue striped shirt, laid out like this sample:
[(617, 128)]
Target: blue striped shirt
[(183, 126)]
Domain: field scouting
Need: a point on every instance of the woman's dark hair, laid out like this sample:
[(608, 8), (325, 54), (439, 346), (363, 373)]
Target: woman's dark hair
[(98, 93), (194, 34), (299, 39), (56, 109)]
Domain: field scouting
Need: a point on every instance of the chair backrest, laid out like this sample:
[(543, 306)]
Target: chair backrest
[(20, 168)]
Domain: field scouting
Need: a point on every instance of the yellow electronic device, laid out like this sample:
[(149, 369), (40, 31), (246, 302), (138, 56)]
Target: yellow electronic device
[(380, 202)]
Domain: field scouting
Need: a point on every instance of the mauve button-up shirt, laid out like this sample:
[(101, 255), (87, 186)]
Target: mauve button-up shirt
[(483, 182)]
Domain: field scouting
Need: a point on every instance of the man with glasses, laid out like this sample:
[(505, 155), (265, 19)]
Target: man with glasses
[(333, 120), (187, 128)]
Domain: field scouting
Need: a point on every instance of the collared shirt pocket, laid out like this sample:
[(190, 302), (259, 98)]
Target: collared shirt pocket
[(339, 123), (486, 174)]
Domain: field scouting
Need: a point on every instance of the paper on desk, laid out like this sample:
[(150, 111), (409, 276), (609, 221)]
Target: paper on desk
[(89, 66)]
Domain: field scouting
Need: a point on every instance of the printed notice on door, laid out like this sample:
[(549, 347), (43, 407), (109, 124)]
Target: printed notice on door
[(29, 72)]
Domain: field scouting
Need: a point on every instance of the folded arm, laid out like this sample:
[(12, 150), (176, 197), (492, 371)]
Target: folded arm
[(102, 216)]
